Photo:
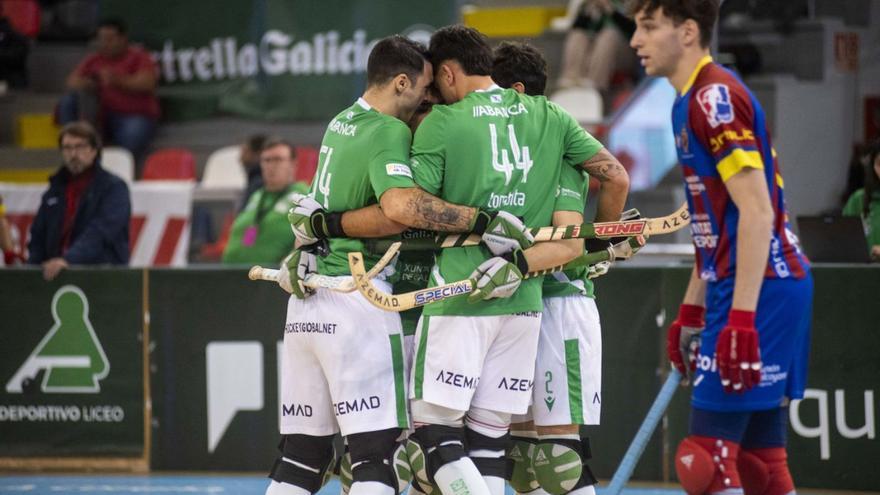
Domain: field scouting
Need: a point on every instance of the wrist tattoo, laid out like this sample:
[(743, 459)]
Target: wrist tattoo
[(433, 213)]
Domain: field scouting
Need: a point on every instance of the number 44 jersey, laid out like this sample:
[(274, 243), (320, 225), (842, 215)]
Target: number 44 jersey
[(496, 150)]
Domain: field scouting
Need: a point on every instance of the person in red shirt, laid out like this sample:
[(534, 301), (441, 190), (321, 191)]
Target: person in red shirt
[(123, 78)]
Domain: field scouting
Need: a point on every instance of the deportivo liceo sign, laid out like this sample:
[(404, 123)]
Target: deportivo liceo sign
[(292, 59), (71, 371)]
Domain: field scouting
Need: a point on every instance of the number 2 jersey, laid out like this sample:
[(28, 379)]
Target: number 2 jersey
[(720, 129), (496, 150)]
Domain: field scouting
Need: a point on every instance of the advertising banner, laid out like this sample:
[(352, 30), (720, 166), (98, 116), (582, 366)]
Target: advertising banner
[(72, 368), (159, 228), (269, 59)]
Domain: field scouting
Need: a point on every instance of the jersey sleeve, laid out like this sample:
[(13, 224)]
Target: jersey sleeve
[(389, 162), (853, 207), (428, 152), (570, 194), (721, 116), (577, 144)]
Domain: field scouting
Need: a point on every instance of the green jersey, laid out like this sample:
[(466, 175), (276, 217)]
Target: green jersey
[(413, 270), (364, 153), (571, 195), (497, 150), (261, 233), (854, 208)]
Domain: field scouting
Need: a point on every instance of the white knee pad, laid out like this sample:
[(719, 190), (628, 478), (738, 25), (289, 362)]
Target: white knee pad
[(432, 414)]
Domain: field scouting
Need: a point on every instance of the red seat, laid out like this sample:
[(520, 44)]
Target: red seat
[(306, 164), (24, 15), (170, 164)]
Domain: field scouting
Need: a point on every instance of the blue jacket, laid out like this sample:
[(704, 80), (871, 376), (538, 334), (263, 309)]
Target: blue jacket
[(100, 229)]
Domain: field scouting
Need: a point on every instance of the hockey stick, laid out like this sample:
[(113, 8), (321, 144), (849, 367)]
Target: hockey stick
[(409, 300), (676, 221), (337, 284), (634, 452)]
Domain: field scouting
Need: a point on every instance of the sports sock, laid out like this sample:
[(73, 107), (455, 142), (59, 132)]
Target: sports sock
[(371, 488), (460, 476), (276, 488)]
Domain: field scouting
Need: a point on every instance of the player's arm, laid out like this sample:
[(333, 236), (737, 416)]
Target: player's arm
[(613, 184), (695, 295), (369, 221), (414, 207), (543, 255), (748, 190)]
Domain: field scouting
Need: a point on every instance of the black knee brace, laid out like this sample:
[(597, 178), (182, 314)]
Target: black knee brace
[(502, 466), (372, 457), (304, 461), (439, 445)]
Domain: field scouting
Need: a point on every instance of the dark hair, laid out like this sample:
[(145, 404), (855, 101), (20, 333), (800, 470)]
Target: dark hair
[(115, 23), (81, 129), (255, 142), (872, 182), (465, 45), (273, 141), (520, 62), (395, 55), (703, 12)]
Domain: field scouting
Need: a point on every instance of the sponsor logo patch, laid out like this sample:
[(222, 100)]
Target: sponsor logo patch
[(398, 169), (714, 99)]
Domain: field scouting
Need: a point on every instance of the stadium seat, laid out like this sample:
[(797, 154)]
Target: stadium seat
[(170, 164), (118, 161), (224, 170), (584, 104), (24, 15), (306, 164)]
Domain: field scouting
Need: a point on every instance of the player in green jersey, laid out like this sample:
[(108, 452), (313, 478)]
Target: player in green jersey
[(548, 451), (343, 359), (491, 148)]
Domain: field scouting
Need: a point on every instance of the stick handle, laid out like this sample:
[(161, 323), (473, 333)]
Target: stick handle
[(634, 452), (260, 273)]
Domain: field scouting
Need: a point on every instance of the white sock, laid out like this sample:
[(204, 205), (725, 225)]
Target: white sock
[(460, 477), (276, 488), (495, 484), (371, 488), (586, 490)]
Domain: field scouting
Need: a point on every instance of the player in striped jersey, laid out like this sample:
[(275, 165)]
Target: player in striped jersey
[(751, 290)]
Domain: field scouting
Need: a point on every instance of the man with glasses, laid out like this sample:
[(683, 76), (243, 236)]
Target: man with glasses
[(84, 215)]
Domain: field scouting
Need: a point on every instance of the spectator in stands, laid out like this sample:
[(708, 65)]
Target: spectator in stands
[(250, 160), (261, 233), (10, 254), (84, 215), (122, 78), (865, 202), (14, 48), (596, 44)]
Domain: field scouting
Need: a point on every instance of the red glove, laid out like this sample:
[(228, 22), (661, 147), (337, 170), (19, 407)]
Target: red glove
[(683, 338), (737, 353)]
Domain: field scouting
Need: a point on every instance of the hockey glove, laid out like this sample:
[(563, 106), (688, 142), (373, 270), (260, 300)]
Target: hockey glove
[(501, 231), (599, 269), (498, 277), (683, 338), (311, 223), (738, 354), (293, 271)]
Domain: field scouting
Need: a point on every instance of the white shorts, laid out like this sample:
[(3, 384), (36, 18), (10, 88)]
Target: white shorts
[(479, 361), (343, 366), (568, 373)]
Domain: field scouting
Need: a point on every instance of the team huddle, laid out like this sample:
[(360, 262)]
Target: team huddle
[(457, 138)]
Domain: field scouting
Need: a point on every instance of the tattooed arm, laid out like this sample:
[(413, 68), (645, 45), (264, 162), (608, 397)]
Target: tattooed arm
[(416, 208), (613, 184)]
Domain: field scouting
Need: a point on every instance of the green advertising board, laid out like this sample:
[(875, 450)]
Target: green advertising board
[(72, 367), (269, 59)]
